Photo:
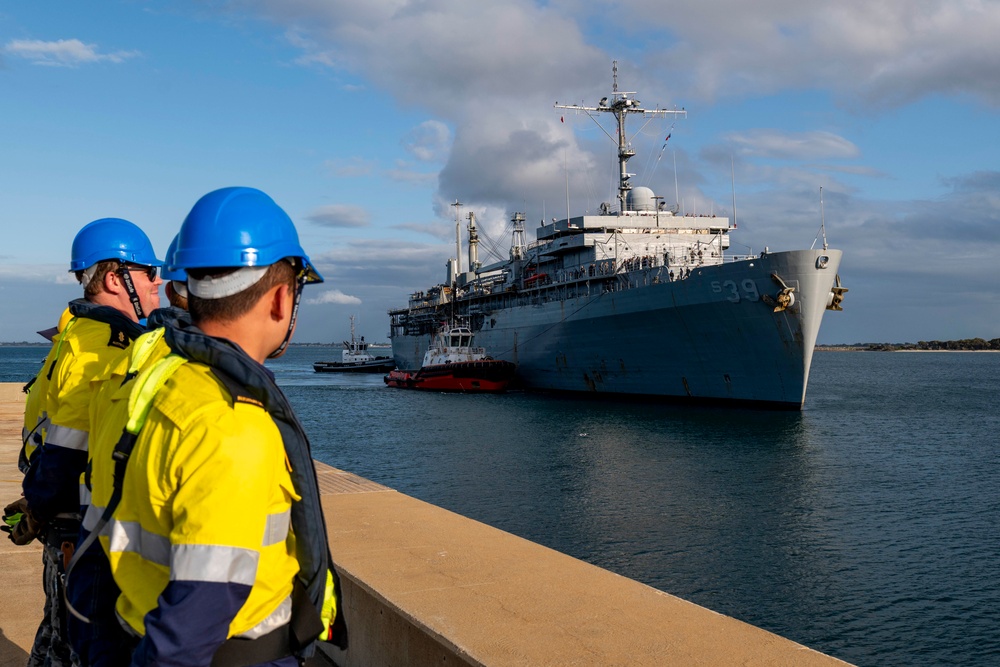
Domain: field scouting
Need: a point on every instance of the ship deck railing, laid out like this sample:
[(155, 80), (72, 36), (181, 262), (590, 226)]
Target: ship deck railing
[(600, 277)]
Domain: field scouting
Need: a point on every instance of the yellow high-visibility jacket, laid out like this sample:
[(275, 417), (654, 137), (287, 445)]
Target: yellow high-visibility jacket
[(201, 544), (36, 418), (88, 345)]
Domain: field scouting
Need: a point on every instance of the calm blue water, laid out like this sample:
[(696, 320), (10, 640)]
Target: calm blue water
[(866, 526)]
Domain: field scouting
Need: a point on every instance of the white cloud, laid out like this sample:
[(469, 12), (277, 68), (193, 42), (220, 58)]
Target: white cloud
[(442, 53), (406, 173), (334, 296), (880, 51), (339, 215), (857, 170), (439, 54), (43, 273), (63, 52), (505, 145), (793, 145), (429, 141)]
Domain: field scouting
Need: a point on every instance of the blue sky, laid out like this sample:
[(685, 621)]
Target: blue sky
[(366, 120)]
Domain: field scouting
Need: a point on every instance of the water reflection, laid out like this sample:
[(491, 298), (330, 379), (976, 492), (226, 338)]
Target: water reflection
[(702, 503)]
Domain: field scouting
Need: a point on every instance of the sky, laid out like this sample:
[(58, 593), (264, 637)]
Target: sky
[(367, 120)]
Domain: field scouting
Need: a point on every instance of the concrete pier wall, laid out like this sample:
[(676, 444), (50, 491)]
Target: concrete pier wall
[(425, 586)]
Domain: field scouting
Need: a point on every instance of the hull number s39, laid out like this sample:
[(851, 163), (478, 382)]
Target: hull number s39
[(745, 290)]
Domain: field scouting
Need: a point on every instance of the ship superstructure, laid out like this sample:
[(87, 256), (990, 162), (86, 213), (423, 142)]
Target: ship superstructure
[(636, 300)]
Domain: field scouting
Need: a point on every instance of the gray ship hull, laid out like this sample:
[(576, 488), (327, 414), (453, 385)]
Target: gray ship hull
[(713, 336)]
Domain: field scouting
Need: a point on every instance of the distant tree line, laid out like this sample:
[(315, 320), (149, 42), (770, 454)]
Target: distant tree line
[(966, 344)]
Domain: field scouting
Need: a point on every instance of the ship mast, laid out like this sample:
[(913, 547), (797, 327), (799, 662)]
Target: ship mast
[(621, 105), (474, 263), (517, 238), (458, 237)]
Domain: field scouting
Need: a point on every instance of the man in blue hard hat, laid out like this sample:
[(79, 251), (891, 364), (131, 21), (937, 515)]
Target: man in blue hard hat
[(91, 592), (233, 567), (117, 268)]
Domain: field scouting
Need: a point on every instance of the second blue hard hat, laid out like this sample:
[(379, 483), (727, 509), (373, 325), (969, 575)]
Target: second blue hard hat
[(170, 270)]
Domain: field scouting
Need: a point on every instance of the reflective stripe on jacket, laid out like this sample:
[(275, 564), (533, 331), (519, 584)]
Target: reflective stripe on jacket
[(36, 418)]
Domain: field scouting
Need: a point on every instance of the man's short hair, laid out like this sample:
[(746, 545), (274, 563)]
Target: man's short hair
[(229, 308), (96, 284)]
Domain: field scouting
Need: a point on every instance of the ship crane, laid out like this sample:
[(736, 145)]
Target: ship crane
[(621, 104)]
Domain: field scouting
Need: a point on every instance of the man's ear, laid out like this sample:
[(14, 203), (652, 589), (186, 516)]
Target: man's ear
[(280, 297), (113, 283)]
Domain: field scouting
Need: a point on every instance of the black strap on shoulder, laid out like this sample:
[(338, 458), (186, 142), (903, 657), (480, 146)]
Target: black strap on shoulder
[(48, 376), (123, 450)]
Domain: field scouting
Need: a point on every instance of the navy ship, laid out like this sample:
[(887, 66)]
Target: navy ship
[(635, 301)]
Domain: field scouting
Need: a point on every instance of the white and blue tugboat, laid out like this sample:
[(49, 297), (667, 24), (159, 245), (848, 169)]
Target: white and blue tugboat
[(356, 358)]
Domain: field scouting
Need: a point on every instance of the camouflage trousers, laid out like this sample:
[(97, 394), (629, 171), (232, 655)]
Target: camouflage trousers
[(51, 647)]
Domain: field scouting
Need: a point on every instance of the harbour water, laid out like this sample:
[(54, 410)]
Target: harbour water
[(867, 526)]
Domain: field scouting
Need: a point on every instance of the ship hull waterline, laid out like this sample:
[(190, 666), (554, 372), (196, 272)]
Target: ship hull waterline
[(712, 337)]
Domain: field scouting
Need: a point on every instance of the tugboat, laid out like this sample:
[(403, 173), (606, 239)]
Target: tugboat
[(451, 363), (355, 358)]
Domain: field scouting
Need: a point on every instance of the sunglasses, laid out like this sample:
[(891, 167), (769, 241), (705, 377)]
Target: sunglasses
[(150, 271)]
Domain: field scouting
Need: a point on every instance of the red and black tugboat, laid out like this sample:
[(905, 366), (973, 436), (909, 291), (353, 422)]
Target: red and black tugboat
[(451, 363)]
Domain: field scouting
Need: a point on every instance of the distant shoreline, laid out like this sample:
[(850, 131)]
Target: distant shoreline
[(960, 345), (883, 348)]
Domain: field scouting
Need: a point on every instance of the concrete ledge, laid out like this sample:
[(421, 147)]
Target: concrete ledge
[(425, 586)]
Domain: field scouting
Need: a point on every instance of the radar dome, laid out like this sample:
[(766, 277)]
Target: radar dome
[(640, 199)]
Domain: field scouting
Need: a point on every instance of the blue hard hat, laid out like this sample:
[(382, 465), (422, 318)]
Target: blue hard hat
[(236, 227), (111, 238), (169, 270)]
